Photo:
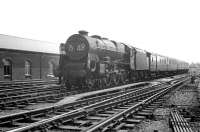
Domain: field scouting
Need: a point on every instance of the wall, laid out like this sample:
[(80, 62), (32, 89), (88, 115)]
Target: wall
[(39, 63)]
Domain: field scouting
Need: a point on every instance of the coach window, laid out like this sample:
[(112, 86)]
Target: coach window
[(7, 66), (27, 68)]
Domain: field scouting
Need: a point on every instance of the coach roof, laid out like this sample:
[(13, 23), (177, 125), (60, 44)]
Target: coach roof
[(17, 43)]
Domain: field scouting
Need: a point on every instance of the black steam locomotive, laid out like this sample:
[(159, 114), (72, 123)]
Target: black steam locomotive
[(96, 62)]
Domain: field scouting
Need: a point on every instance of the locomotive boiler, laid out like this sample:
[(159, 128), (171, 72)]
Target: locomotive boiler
[(92, 61)]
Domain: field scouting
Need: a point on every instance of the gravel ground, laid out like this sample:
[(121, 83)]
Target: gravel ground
[(195, 126), (162, 114), (150, 126), (160, 123), (184, 99)]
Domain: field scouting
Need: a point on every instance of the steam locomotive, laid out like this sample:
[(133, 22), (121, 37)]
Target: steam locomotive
[(96, 62)]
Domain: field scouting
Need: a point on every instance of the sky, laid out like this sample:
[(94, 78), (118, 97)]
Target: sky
[(166, 27)]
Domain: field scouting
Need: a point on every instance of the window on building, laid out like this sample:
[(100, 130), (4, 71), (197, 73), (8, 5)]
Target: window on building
[(7, 66), (51, 69), (27, 68)]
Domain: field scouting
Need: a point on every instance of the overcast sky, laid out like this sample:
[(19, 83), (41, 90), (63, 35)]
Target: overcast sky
[(167, 27)]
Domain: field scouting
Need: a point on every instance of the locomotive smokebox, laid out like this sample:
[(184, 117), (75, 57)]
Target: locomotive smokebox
[(83, 32)]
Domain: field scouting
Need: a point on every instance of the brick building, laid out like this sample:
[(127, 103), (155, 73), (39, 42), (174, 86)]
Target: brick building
[(23, 59)]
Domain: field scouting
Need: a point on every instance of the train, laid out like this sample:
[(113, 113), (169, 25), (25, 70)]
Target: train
[(95, 62)]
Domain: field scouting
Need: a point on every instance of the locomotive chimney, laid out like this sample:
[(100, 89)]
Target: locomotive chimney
[(83, 32)]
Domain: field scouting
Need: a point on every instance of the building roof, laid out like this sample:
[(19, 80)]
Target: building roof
[(17, 43)]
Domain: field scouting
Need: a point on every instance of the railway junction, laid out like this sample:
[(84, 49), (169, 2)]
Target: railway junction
[(94, 84), (145, 106)]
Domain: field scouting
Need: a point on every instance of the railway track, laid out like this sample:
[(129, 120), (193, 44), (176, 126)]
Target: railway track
[(20, 94), (5, 120), (20, 83), (126, 119), (17, 95), (186, 117), (85, 114), (179, 124)]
